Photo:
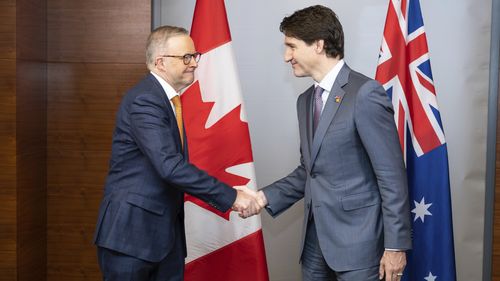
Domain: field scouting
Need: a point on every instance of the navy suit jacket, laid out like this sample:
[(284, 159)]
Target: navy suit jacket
[(352, 175), (148, 175)]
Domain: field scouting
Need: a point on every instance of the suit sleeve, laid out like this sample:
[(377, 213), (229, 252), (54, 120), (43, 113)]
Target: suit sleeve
[(374, 119), (283, 193), (155, 137)]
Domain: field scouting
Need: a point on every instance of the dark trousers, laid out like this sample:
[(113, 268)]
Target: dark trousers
[(315, 268), (116, 266)]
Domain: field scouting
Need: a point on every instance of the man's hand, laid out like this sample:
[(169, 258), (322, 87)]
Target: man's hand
[(261, 199), (392, 265), (248, 202)]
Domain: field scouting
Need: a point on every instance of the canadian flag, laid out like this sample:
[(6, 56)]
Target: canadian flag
[(221, 246)]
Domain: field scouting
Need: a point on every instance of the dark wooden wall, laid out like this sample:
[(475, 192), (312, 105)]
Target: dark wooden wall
[(31, 139), (23, 94), (96, 51), (8, 219), (64, 66)]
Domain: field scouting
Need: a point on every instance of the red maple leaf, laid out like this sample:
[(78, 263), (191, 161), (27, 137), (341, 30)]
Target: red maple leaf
[(225, 144)]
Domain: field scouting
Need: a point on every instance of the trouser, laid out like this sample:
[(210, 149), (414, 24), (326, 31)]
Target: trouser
[(315, 268)]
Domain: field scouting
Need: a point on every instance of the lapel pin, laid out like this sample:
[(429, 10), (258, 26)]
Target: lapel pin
[(338, 99)]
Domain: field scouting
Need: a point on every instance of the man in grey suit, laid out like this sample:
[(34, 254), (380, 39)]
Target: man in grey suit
[(352, 175), (140, 228)]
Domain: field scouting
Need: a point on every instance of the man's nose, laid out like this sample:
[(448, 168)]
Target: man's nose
[(287, 56)]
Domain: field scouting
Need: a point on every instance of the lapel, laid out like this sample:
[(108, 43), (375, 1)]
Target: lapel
[(329, 111), (306, 106), (168, 107)]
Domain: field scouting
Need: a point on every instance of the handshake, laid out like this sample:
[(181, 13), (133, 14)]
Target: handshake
[(248, 202)]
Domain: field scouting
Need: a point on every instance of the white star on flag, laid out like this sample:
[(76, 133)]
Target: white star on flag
[(421, 210), (430, 277)]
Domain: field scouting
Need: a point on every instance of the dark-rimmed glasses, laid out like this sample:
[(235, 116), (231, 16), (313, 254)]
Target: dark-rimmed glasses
[(186, 59)]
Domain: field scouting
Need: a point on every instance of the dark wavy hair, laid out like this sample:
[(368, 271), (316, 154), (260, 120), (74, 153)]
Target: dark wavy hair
[(316, 23)]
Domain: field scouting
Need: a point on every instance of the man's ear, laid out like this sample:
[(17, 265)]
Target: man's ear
[(159, 63), (320, 44)]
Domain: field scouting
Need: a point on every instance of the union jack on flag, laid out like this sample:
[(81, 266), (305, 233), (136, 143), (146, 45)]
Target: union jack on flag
[(404, 70)]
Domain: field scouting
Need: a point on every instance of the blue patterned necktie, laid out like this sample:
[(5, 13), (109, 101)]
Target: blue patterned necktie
[(318, 106)]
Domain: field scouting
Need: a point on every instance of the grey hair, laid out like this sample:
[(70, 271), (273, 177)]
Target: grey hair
[(157, 41)]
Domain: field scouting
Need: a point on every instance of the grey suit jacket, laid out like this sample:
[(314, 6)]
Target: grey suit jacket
[(351, 176), (143, 204)]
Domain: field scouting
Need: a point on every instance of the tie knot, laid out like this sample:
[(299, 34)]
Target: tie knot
[(318, 91), (176, 100)]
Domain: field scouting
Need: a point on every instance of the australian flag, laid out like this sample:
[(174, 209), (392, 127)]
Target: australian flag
[(404, 70)]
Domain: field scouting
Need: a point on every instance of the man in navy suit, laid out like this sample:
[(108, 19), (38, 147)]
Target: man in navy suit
[(140, 229), (352, 175)]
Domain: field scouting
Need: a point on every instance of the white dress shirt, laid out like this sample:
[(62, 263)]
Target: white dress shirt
[(167, 88), (328, 80)]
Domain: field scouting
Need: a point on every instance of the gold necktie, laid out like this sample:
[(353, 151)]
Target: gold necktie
[(178, 115)]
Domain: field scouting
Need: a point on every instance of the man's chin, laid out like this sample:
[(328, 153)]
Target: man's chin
[(299, 74), (189, 83), (189, 80)]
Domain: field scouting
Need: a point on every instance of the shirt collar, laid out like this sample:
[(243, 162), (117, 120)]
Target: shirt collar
[(330, 77), (166, 87)]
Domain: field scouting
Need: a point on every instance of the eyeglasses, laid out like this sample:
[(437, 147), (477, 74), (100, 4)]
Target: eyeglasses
[(186, 59)]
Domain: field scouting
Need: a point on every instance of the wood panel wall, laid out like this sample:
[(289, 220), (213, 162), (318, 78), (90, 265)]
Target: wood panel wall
[(95, 53), (31, 139), (8, 220), (23, 140)]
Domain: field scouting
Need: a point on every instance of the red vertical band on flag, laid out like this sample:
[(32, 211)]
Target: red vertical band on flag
[(210, 30), (251, 265)]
